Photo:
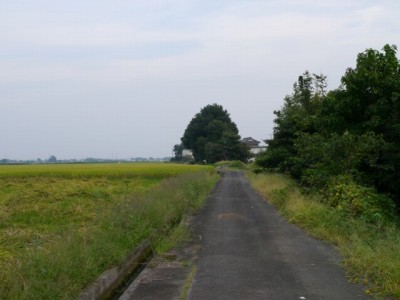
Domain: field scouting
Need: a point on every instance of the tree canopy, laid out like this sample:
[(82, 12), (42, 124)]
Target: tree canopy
[(351, 132), (212, 136)]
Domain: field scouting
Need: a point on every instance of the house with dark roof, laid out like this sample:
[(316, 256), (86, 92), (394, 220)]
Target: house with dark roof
[(249, 141), (253, 145)]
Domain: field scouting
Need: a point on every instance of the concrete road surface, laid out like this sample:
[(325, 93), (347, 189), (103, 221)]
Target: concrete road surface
[(249, 252)]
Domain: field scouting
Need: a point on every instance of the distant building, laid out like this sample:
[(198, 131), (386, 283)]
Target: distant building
[(187, 153), (249, 141), (253, 145)]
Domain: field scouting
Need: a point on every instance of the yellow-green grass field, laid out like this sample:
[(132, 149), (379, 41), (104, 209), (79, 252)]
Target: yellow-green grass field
[(61, 226)]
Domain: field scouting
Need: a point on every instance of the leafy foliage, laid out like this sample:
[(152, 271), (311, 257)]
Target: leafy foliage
[(297, 116), (212, 136), (178, 152), (359, 201), (353, 131)]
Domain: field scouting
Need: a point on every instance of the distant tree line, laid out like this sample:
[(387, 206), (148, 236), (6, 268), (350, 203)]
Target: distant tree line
[(53, 160), (344, 142), (6, 161)]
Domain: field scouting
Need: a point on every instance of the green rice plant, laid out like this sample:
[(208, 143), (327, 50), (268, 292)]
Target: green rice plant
[(59, 232), (369, 251), (110, 170)]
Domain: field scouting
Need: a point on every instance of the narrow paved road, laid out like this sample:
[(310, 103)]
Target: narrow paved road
[(249, 252)]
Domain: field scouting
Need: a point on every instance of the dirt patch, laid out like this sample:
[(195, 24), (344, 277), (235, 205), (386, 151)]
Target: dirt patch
[(230, 216)]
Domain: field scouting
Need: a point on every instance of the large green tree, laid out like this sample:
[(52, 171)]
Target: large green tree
[(370, 103), (212, 136), (178, 151), (298, 115)]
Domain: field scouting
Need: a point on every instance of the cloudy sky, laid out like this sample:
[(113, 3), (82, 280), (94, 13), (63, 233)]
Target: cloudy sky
[(123, 78)]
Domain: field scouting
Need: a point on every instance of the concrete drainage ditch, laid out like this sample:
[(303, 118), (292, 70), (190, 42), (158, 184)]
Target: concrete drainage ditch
[(111, 280)]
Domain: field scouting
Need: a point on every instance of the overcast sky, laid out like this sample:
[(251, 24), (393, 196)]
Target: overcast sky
[(123, 78)]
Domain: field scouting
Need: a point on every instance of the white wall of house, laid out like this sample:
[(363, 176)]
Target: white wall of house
[(257, 150), (187, 153)]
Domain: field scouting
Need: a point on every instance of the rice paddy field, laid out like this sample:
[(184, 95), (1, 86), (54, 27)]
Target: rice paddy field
[(61, 226)]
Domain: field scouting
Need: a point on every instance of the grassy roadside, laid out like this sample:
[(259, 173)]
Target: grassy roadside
[(231, 164), (54, 246), (370, 253)]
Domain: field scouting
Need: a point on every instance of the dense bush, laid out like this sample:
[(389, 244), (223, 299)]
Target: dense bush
[(359, 201)]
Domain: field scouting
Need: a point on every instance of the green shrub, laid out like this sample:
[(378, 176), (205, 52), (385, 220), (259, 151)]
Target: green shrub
[(359, 201)]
